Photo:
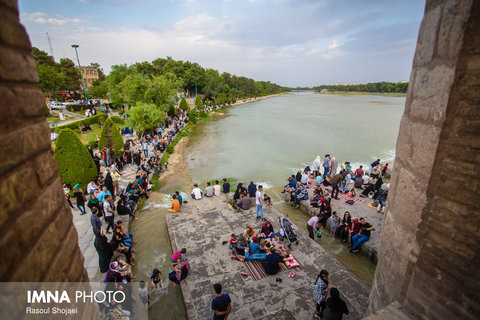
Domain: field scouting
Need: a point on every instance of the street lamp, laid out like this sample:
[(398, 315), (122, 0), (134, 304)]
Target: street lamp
[(75, 46)]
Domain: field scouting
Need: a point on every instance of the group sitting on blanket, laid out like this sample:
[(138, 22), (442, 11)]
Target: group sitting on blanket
[(264, 247)]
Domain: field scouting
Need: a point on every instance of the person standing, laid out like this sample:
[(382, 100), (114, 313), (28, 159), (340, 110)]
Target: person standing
[(95, 221), (115, 177), (259, 202), (335, 307), (333, 167), (109, 213), (252, 189), (109, 182), (337, 179), (222, 304), (312, 225), (326, 165), (320, 292)]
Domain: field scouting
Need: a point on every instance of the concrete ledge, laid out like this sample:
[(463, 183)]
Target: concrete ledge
[(369, 248), (202, 225)]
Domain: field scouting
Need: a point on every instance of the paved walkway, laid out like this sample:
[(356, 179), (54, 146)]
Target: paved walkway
[(202, 225)]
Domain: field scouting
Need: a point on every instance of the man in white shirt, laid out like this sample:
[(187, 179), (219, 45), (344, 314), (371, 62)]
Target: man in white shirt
[(196, 192), (259, 202), (366, 179), (216, 189), (107, 208)]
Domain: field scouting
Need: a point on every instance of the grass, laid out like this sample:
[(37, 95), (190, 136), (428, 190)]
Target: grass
[(91, 135), (52, 119), (155, 182), (233, 183), (354, 93)]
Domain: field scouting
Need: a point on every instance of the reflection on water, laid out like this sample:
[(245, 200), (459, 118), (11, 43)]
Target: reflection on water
[(154, 251), (358, 264)]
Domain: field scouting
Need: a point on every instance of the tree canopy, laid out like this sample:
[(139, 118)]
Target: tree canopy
[(110, 137), (144, 117), (383, 87)]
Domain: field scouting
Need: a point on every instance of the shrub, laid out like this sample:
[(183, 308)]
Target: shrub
[(170, 149), (98, 118), (192, 118), (75, 164), (118, 120), (92, 144), (47, 112), (184, 104), (198, 103), (111, 138), (172, 111), (203, 114)]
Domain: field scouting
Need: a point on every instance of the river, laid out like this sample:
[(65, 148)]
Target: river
[(265, 141)]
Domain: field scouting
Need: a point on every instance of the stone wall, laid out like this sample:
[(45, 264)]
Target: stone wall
[(429, 251), (37, 238)]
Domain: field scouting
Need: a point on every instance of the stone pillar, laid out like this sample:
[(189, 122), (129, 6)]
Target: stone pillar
[(430, 243), (38, 241)]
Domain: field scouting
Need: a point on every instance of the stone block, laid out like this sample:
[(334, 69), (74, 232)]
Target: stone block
[(426, 37), (450, 34), (17, 66), (433, 82), (14, 190), (30, 101), (10, 4), (12, 32), (46, 168), (23, 143)]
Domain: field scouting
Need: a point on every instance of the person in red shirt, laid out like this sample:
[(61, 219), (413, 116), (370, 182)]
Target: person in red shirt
[(359, 172)]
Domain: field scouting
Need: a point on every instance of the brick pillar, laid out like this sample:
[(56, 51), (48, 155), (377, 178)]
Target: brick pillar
[(430, 244), (38, 241)]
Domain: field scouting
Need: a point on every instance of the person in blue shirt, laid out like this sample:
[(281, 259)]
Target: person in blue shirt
[(254, 246), (252, 189), (222, 304), (300, 194), (179, 197), (226, 186)]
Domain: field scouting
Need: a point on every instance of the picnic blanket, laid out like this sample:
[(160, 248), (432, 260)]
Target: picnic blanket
[(343, 199), (255, 269)]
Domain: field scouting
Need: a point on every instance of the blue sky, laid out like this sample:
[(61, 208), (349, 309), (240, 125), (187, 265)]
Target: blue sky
[(289, 42)]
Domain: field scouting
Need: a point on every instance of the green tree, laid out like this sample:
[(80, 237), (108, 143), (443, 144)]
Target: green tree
[(70, 73), (144, 117), (49, 78), (98, 89), (111, 137), (75, 164), (198, 102), (184, 104)]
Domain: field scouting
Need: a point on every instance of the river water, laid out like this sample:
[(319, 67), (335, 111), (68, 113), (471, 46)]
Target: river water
[(265, 141)]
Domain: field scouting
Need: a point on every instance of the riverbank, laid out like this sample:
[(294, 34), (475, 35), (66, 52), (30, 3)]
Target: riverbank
[(265, 298), (358, 93)]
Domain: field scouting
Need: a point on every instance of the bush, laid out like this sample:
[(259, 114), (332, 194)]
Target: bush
[(184, 104), (198, 103), (47, 112), (92, 144), (172, 111), (99, 118), (192, 118), (203, 114), (118, 120), (170, 149), (75, 164), (111, 138)]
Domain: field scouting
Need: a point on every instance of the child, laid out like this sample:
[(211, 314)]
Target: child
[(155, 280), (233, 240), (166, 166), (177, 255), (143, 293), (335, 223), (319, 232), (266, 199)]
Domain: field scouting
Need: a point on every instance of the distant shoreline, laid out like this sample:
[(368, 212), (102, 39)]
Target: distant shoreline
[(357, 93)]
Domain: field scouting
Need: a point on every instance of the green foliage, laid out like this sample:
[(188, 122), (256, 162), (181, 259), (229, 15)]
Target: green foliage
[(184, 104), (192, 117), (172, 111), (155, 182), (49, 78), (118, 120), (203, 114), (98, 89), (144, 117), (383, 87), (75, 163), (47, 112), (170, 149), (198, 102), (111, 138), (92, 144), (98, 118), (70, 73)]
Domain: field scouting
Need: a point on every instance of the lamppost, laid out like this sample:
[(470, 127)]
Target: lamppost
[(75, 46)]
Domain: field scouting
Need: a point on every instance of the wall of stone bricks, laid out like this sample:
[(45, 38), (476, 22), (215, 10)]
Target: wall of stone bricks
[(38, 241), (429, 251)]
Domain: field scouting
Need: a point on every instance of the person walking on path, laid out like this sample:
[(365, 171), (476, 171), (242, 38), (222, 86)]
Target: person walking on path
[(336, 307), (222, 304), (259, 202)]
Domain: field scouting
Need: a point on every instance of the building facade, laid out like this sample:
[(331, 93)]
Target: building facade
[(90, 74)]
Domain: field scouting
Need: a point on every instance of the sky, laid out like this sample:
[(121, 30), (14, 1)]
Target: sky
[(288, 42)]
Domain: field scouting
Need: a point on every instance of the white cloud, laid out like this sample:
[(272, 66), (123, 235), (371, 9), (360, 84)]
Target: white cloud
[(42, 18)]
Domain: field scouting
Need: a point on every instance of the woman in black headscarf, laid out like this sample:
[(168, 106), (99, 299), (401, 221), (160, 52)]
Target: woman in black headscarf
[(336, 307), (240, 190), (104, 250)]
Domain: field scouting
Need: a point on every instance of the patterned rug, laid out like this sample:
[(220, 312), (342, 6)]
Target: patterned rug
[(255, 269), (343, 199)]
